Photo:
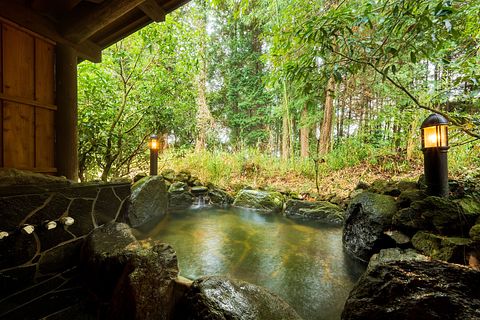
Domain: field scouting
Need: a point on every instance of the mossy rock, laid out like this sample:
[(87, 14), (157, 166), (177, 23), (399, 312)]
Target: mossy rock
[(368, 216), (403, 290), (220, 298), (470, 205), (395, 254), (385, 187), (178, 187), (321, 211), (219, 197), (168, 174), (450, 249), (183, 176), (440, 215), (265, 201), (475, 233), (199, 190), (409, 196), (149, 200)]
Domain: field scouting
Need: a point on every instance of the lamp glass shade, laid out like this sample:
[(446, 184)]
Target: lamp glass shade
[(153, 143), (435, 136)]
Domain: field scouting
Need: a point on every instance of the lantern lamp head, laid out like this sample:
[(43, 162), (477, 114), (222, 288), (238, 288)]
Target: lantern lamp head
[(153, 143), (435, 132)]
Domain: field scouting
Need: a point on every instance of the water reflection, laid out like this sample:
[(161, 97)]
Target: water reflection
[(303, 263)]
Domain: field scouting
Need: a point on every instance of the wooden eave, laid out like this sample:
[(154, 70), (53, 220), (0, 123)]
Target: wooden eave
[(88, 26)]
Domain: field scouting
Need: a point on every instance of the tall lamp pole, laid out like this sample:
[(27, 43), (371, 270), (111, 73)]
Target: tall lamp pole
[(435, 148), (153, 145)]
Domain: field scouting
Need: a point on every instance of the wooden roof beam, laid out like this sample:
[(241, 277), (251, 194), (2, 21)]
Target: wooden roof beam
[(30, 20), (154, 10), (81, 25)]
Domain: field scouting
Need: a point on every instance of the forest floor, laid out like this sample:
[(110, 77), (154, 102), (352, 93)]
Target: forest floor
[(234, 173), (337, 183), (338, 175)]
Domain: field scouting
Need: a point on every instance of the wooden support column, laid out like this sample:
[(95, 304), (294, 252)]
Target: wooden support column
[(66, 146)]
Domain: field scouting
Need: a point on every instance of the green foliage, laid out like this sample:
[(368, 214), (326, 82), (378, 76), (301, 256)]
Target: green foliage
[(240, 101), (267, 64), (143, 86)]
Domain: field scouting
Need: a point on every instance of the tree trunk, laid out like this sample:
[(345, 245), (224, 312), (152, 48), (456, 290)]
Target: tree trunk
[(326, 129), (304, 134), (204, 117), (286, 125), (285, 137), (412, 137)]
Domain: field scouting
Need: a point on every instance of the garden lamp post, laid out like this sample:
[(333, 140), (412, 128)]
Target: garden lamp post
[(153, 145), (435, 147)]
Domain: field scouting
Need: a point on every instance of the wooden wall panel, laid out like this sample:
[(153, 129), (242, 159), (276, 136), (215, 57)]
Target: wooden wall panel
[(44, 138), (18, 81), (27, 94), (1, 102), (18, 57), (18, 131), (44, 92), (44, 76)]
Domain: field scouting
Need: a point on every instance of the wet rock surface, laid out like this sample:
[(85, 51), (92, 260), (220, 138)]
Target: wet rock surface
[(149, 200), (146, 288), (321, 211), (219, 298), (395, 254), (134, 278), (219, 197), (265, 201), (415, 290), (367, 217), (103, 257), (180, 200)]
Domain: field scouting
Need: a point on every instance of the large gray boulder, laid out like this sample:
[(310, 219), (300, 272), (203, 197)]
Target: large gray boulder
[(146, 288), (415, 290), (149, 200), (368, 216), (102, 257), (179, 197), (135, 278), (219, 198), (220, 298), (322, 211), (264, 201)]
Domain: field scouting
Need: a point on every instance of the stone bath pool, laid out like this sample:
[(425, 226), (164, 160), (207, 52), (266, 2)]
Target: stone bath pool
[(302, 262)]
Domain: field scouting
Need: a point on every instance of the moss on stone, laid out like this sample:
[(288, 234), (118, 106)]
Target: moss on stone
[(470, 205), (260, 200), (475, 232), (451, 249)]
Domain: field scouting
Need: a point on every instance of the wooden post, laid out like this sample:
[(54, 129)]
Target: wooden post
[(66, 146)]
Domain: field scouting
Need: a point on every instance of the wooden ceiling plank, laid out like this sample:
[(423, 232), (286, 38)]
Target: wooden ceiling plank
[(171, 5), (154, 10), (81, 25), (25, 17), (124, 31), (53, 6)]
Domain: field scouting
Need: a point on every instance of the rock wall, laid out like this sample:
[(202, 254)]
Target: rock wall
[(37, 262)]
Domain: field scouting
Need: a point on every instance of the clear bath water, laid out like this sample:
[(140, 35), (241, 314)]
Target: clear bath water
[(304, 263)]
